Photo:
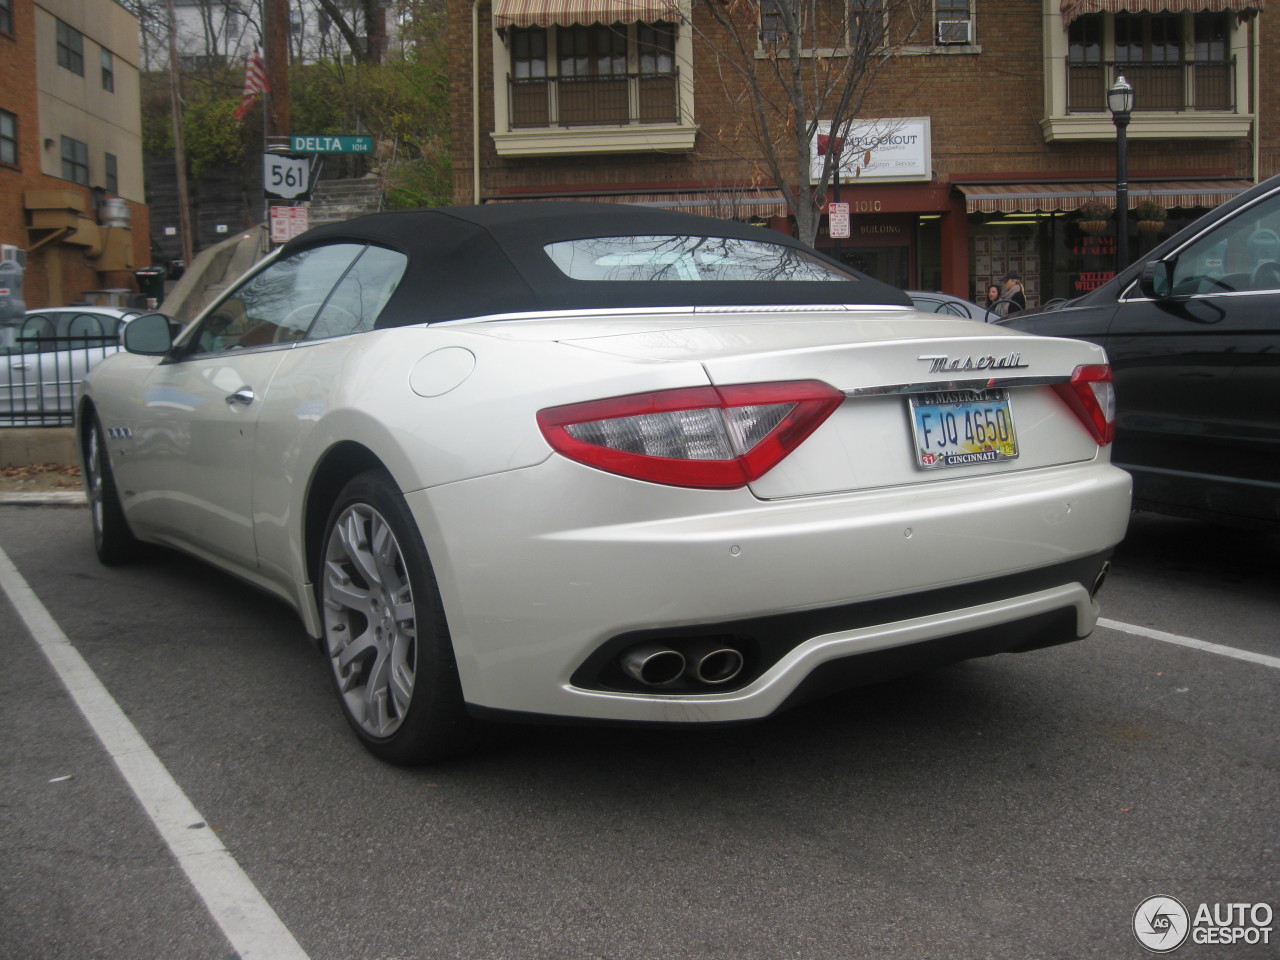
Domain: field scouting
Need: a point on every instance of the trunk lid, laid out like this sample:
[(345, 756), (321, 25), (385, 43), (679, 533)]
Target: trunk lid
[(880, 359)]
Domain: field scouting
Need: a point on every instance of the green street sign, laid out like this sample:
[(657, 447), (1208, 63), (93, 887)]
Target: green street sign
[(321, 144)]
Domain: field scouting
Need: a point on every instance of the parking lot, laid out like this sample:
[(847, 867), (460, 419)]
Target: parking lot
[(1021, 806)]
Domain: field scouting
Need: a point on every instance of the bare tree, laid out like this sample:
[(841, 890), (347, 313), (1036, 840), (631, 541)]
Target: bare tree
[(369, 14), (792, 69)]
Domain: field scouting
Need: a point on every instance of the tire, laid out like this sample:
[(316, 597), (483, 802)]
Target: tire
[(385, 634), (113, 541)]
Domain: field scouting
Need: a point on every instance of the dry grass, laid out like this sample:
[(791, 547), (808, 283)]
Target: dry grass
[(38, 477)]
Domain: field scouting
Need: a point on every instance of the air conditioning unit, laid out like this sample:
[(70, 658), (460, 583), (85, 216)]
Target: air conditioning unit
[(955, 31), (9, 252)]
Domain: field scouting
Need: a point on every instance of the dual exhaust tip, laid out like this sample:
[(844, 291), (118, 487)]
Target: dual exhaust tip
[(711, 664)]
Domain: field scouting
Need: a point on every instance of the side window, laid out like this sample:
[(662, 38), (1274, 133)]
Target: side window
[(276, 305), (36, 332), (356, 301), (1241, 254)]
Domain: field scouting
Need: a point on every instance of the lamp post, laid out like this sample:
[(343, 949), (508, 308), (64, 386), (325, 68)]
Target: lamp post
[(1120, 103)]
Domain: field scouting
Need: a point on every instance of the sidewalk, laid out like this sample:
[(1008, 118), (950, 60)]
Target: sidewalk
[(39, 466)]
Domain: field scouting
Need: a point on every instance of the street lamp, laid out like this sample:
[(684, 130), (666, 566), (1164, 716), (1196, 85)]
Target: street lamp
[(1120, 103)]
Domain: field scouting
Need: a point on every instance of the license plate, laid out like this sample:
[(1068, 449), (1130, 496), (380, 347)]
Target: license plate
[(961, 427)]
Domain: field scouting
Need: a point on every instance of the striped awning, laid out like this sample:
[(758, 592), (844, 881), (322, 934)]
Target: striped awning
[(545, 13), (1048, 197), (1078, 8), (727, 205)]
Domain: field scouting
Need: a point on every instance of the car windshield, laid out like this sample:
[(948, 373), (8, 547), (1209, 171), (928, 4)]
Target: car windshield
[(687, 258)]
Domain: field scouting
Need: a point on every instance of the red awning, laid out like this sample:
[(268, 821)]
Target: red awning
[(1048, 197), (1078, 8), (545, 13)]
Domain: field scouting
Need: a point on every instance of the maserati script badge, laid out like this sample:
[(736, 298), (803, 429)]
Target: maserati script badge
[(941, 363)]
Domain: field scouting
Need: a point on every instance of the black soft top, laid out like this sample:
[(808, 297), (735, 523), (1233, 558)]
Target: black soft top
[(482, 260)]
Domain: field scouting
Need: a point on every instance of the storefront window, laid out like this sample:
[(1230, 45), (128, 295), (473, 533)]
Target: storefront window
[(1004, 246), (1056, 257)]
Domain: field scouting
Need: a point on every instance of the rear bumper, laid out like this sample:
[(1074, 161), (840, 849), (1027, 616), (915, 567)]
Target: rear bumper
[(547, 570)]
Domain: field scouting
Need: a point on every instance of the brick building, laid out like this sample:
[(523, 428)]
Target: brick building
[(1003, 103), (71, 185)]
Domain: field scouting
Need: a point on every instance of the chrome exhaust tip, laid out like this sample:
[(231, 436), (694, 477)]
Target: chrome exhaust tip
[(713, 664), (654, 666), (1100, 579)]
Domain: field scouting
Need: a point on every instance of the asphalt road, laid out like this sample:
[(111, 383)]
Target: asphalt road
[(1016, 807)]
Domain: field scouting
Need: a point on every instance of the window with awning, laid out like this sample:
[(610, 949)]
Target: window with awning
[(590, 62), (1177, 62)]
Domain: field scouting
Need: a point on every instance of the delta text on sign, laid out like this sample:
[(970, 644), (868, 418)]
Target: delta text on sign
[(321, 144)]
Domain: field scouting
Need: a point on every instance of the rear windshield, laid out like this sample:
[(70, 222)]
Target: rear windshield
[(687, 258)]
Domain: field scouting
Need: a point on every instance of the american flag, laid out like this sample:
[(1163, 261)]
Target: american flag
[(255, 82)]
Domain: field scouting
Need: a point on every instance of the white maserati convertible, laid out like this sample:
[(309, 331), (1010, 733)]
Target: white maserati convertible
[(605, 463)]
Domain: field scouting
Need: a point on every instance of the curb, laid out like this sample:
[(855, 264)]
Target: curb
[(50, 498)]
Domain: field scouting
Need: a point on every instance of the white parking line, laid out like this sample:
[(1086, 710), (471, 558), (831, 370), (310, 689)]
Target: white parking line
[(1249, 655), (239, 909)]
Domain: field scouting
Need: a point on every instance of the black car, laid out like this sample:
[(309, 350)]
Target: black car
[(1193, 334)]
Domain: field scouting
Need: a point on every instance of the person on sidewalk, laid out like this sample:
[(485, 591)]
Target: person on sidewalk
[(1012, 298)]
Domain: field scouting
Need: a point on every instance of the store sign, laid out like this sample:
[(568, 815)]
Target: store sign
[(896, 148)]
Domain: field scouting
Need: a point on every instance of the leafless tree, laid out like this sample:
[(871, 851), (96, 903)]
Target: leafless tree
[(790, 69)]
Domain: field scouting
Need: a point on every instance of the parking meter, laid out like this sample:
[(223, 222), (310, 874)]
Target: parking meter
[(12, 306)]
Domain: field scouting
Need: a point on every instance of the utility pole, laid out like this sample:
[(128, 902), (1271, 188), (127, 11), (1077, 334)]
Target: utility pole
[(179, 145), (275, 43)]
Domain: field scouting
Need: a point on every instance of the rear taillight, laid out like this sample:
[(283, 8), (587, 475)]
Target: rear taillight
[(714, 437), (1092, 397)]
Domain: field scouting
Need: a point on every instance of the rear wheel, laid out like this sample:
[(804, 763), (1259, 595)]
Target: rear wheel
[(112, 540), (385, 633)]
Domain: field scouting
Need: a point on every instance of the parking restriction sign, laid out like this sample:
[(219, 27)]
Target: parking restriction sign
[(287, 223), (838, 220)]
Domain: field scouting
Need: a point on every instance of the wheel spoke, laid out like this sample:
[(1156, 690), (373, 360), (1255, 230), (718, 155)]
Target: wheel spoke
[(358, 647), (340, 591), (356, 547)]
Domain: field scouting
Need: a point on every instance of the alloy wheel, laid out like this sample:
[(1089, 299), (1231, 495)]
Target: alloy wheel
[(369, 620)]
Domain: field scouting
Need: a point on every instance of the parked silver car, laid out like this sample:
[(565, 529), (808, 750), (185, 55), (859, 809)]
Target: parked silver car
[(47, 353), (947, 305)]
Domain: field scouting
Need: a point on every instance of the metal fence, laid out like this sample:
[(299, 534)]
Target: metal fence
[(1175, 86), (616, 99), (42, 366)]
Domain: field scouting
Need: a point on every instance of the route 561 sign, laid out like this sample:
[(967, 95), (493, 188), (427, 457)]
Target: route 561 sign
[(285, 177)]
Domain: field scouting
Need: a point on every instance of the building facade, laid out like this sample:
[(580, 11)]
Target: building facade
[(72, 204), (980, 143)]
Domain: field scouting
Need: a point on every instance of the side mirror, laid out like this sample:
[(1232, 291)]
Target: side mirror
[(149, 335), (1156, 281)]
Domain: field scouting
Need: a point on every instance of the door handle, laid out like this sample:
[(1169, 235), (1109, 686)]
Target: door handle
[(244, 396)]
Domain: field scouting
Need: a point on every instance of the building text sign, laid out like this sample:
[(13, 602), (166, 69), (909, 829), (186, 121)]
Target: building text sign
[(330, 144), (896, 148)]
